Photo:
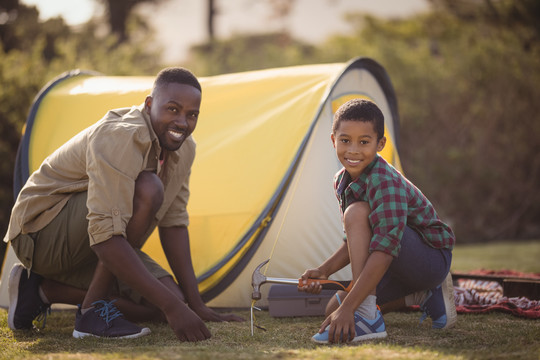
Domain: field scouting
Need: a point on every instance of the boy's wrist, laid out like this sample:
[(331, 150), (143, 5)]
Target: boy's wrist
[(323, 272)]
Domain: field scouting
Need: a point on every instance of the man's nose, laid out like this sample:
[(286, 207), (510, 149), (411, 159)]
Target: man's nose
[(181, 121)]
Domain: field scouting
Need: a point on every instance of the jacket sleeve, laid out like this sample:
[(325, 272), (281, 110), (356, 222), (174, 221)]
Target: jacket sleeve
[(115, 157)]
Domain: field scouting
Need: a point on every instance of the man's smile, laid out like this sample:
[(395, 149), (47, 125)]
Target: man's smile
[(177, 135)]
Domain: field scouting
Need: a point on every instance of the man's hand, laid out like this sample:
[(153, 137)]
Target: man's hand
[(313, 287), (119, 257), (175, 242), (187, 326)]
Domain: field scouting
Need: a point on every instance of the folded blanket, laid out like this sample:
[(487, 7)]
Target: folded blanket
[(482, 296)]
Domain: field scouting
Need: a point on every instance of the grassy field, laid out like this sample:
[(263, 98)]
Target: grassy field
[(490, 336)]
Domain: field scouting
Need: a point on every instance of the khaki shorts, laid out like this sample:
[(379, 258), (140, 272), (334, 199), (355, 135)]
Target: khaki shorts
[(61, 250)]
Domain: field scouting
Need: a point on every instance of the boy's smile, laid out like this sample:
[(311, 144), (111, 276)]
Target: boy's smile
[(356, 145)]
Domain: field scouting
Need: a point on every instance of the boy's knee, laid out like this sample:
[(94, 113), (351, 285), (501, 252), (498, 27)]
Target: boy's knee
[(356, 211), (149, 189)]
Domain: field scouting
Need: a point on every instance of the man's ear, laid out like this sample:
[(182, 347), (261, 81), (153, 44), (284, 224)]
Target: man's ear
[(382, 143), (148, 103), (333, 140)]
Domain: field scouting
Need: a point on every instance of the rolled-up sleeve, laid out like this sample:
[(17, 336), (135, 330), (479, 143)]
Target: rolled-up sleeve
[(115, 157)]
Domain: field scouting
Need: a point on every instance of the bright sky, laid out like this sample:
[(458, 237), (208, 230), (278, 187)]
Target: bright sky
[(182, 23), (74, 12)]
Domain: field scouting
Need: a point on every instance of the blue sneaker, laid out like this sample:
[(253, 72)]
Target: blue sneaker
[(439, 305), (26, 309), (365, 329), (105, 321)]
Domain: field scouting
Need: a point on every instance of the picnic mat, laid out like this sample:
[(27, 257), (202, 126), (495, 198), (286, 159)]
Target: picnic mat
[(482, 296)]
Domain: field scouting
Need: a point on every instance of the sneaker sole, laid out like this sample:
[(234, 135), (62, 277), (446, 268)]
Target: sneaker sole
[(13, 290), (80, 335), (449, 304), (379, 335)]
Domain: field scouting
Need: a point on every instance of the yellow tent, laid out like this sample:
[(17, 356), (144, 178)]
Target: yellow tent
[(261, 185)]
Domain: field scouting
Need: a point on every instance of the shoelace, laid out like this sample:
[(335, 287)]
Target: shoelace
[(40, 320), (107, 310)]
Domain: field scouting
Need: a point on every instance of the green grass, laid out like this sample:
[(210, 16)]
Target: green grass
[(488, 336), (513, 255)]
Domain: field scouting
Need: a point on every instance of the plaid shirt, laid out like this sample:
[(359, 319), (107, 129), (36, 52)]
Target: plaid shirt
[(395, 203)]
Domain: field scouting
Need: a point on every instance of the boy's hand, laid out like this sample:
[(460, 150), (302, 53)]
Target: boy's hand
[(313, 287), (187, 326), (340, 326)]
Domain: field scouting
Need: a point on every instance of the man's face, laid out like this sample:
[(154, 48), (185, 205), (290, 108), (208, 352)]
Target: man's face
[(174, 110)]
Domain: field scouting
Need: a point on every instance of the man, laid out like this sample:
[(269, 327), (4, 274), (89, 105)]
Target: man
[(81, 219)]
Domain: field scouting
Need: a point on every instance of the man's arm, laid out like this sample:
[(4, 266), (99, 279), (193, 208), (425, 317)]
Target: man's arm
[(175, 243), (119, 257)]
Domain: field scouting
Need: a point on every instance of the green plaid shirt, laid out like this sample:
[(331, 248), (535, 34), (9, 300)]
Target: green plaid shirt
[(395, 203)]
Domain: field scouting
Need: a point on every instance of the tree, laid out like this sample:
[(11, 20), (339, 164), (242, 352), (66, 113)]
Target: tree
[(210, 19), (118, 13), (522, 17)]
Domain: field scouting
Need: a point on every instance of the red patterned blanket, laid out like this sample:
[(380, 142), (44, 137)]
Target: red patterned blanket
[(481, 296)]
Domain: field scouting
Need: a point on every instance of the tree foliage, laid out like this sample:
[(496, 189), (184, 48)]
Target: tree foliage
[(118, 16), (249, 52)]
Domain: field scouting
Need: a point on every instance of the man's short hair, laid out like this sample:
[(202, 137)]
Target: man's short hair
[(360, 110), (176, 75)]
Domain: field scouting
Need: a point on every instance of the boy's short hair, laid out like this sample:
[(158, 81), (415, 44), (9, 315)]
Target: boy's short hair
[(177, 75), (360, 110)]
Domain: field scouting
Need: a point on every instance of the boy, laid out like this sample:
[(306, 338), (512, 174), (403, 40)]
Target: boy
[(81, 219), (399, 250)]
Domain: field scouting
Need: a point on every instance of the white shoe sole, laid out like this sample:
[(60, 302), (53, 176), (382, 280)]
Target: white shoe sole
[(379, 335), (13, 291), (450, 306), (80, 335)]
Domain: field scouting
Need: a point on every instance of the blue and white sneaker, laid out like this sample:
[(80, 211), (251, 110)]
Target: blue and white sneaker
[(365, 329), (439, 305)]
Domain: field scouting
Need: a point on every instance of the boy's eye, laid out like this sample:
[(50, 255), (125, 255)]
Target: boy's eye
[(364, 142), (345, 141), (172, 109), (194, 115)]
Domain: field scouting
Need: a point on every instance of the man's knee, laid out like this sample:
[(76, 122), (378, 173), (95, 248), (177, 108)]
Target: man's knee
[(355, 212), (149, 189)]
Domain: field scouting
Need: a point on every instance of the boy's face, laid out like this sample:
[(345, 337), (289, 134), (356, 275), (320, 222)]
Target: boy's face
[(174, 110), (356, 145)]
